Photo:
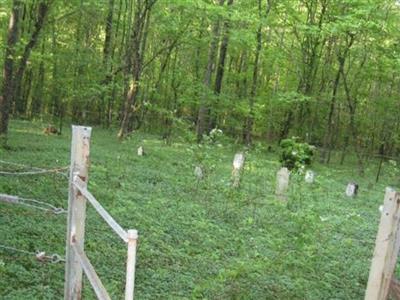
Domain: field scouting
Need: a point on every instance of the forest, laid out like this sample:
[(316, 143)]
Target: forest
[(325, 71), (194, 105)]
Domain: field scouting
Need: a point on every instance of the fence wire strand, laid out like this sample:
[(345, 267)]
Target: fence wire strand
[(31, 170), (32, 203), (39, 255), (19, 165), (37, 172)]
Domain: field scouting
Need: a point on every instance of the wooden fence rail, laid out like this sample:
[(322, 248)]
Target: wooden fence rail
[(76, 260)]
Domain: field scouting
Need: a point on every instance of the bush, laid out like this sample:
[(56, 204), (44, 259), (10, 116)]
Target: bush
[(213, 137), (295, 155)]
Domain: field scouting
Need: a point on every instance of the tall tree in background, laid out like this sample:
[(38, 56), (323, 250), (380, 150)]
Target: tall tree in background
[(254, 84), (220, 69), (204, 110), (135, 57), (42, 11), (107, 62), (8, 89)]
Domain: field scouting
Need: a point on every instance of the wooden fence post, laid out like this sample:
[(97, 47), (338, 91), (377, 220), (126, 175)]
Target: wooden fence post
[(130, 265), (386, 248), (80, 149)]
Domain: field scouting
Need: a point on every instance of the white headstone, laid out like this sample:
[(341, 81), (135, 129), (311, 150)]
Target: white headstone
[(198, 172), (309, 177), (238, 163), (140, 151), (352, 189), (282, 183)]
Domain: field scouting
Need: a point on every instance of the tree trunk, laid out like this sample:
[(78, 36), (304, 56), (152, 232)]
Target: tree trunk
[(55, 91), (36, 103), (135, 55), (328, 136), (223, 49), (328, 140), (352, 105), (203, 113), (250, 118), (7, 93), (106, 99), (43, 9)]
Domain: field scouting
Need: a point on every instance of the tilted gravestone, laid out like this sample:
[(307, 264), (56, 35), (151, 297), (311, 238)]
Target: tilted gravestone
[(352, 189), (238, 163), (309, 177), (282, 183)]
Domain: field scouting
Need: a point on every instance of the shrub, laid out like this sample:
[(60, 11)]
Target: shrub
[(296, 155)]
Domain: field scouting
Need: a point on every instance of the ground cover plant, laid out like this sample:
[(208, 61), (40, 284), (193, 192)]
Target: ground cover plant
[(197, 239)]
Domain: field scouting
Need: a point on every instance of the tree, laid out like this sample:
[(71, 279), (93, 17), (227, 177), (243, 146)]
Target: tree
[(203, 114), (135, 56), (8, 84)]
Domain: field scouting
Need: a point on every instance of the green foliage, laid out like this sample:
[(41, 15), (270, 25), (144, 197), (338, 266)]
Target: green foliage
[(296, 155), (69, 74), (215, 135), (197, 240)]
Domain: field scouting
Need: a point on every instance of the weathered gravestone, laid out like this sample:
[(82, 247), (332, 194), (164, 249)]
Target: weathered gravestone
[(198, 172), (238, 163), (309, 177), (282, 183), (140, 151), (352, 189)]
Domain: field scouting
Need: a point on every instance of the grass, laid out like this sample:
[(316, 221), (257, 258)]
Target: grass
[(198, 240)]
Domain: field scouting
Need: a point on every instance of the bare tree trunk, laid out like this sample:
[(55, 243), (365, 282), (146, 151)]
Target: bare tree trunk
[(107, 54), (36, 102), (135, 55), (78, 66), (328, 136), (43, 9), (55, 90), (352, 105), (7, 93), (108, 35), (203, 113), (223, 49), (250, 118), (328, 140)]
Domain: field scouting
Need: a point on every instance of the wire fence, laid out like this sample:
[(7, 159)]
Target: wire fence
[(33, 203), (44, 206), (30, 170), (58, 170), (76, 261), (39, 255)]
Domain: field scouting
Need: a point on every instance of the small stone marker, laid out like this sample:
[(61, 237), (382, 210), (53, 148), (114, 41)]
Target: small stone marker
[(352, 189), (282, 183), (140, 151), (198, 172), (238, 163), (309, 177)]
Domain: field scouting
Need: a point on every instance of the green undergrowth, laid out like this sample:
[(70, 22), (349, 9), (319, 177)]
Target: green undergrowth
[(199, 239)]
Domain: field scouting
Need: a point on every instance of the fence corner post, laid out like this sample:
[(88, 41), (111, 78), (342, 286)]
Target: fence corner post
[(80, 149), (387, 246), (130, 265)]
